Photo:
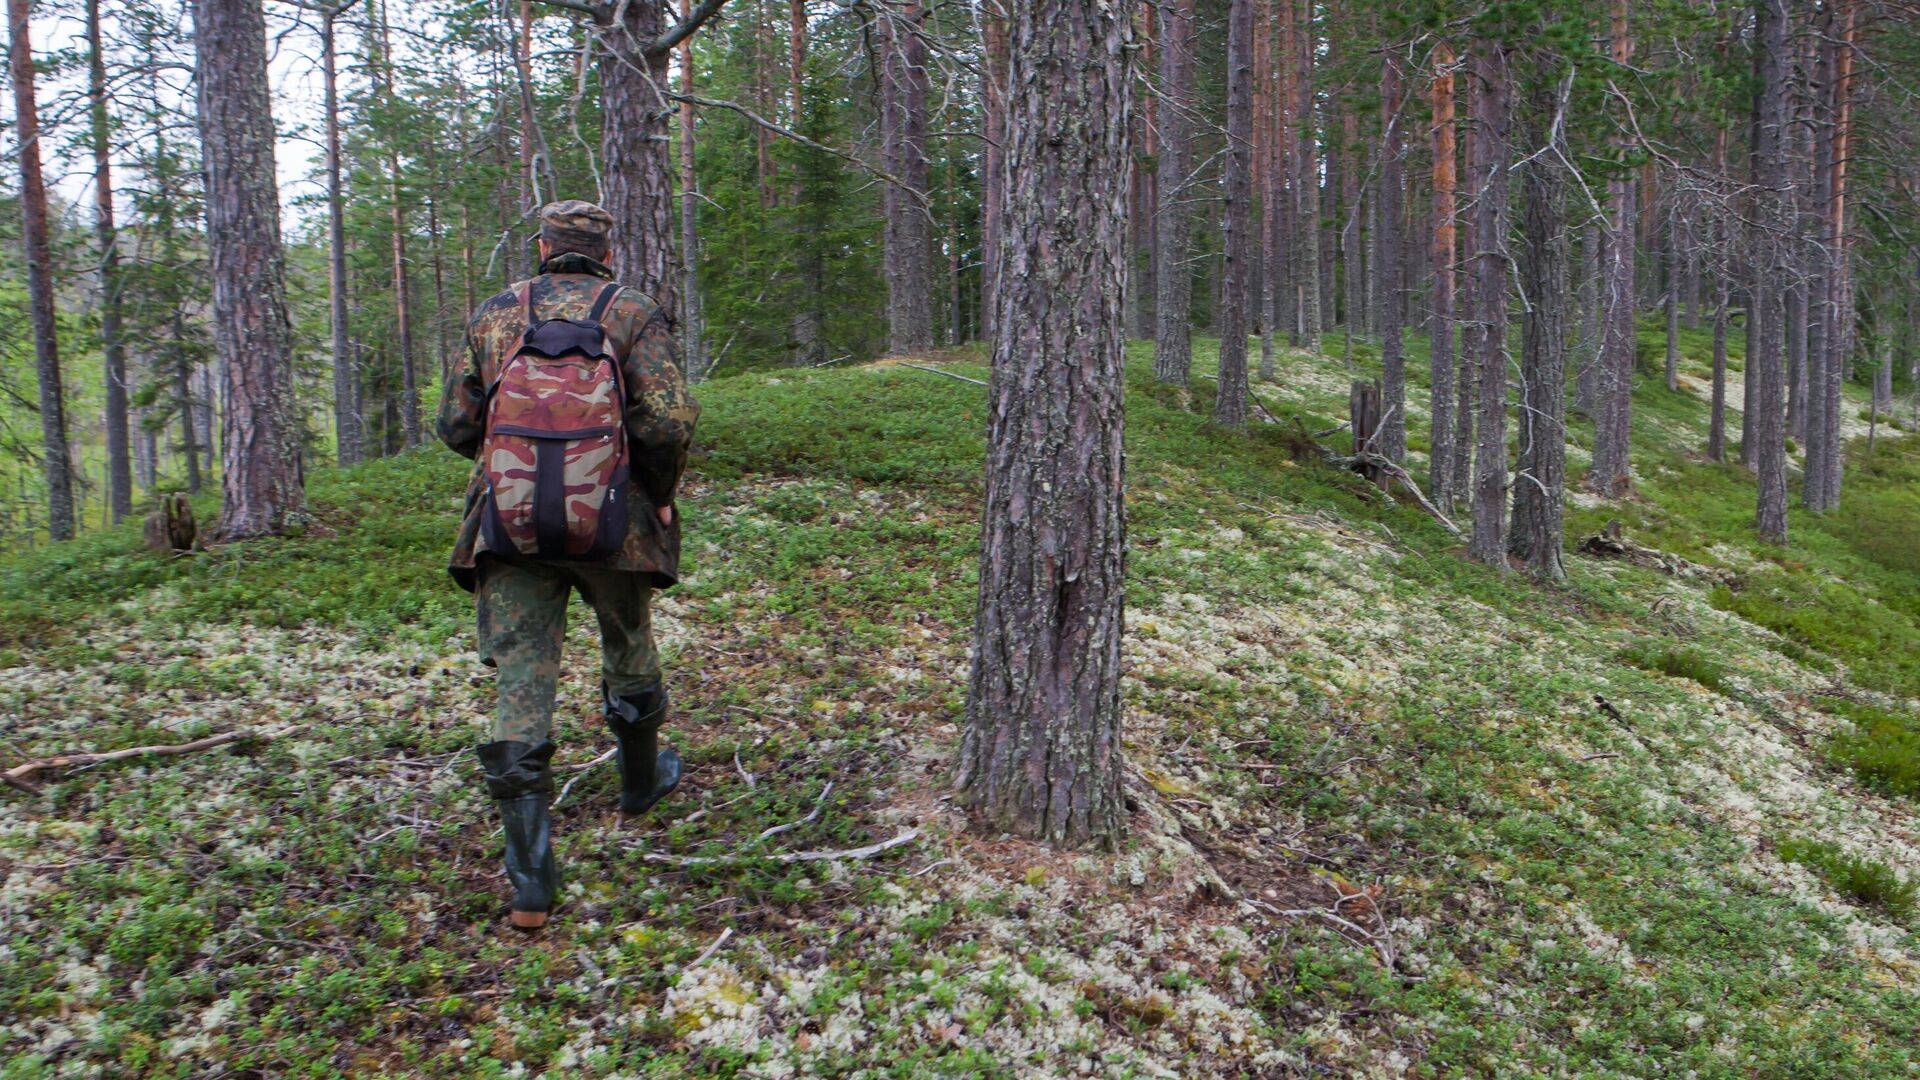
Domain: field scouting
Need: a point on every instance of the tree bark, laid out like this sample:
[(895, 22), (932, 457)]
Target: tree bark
[(1492, 90), (1141, 267), (1230, 390), (1041, 754), (261, 491), (907, 231), (402, 289), (61, 521), (633, 146), (1770, 223), (119, 450), (1539, 489), (1392, 440), (1173, 304), (993, 104), (346, 419), (1441, 374)]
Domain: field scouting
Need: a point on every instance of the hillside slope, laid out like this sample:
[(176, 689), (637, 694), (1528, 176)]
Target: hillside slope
[(1398, 814)]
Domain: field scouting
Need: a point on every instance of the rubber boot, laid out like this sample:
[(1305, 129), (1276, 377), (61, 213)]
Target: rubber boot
[(647, 773), (520, 781)]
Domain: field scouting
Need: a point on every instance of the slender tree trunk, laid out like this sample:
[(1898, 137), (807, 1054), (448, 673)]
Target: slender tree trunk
[(693, 328), (904, 140), (1173, 306), (1811, 132), (1540, 484), (1391, 440), (993, 104), (1612, 474), (402, 289), (1350, 199), (1041, 754), (1492, 90), (1306, 264), (61, 521), (1441, 375), (119, 451), (1717, 424), (1267, 132), (1764, 366), (1839, 307), (1140, 265), (261, 489), (1230, 396), (1673, 338)]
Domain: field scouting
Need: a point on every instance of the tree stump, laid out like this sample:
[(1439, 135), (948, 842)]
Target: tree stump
[(169, 526), (1363, 408)]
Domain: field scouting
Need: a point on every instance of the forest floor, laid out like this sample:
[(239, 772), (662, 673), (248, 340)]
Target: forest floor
[(1398, 814)]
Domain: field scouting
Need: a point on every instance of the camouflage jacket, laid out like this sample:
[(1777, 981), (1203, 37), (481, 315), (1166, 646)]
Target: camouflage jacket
[(660, 410)]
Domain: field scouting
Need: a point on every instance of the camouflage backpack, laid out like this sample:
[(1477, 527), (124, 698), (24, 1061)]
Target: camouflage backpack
[(555, 452)]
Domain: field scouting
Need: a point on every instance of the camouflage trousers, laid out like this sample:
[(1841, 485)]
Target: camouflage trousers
[(522, 608)]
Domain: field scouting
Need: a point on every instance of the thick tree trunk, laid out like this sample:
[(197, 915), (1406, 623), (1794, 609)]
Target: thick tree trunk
[(693, 328), (1173, 306), (633, 146), (119, 452), (1041, 755), (1771, 221), (1492, 90), (907, 233), (261, 490), (1540, 485), (1392, 440), (1230, 391), (61, 521), (1612, 474)]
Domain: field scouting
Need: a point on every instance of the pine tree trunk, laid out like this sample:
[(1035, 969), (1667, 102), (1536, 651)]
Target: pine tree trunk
[(1306, 187), (119, 451), (633, 146), (1392, 439), (993, 106), (1041, 754), (1230, 391), (61, 522), (1771, 221), (1140, 266), (693, 323), (1540, 484), (1173, 306), (260, 481), (1441, 374), (1267, 131), (1839, 315), (1351, 208), (1492, 89), (1611, 474), (907, 232)]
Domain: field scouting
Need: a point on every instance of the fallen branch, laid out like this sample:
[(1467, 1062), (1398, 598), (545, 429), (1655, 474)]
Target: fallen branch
[(818, 805), (581, 768), (948, 374), (906, 836), (17, 776), (725, 933), (1393, 469)]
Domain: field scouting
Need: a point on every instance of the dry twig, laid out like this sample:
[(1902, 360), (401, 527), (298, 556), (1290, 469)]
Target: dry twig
[(17, 776)]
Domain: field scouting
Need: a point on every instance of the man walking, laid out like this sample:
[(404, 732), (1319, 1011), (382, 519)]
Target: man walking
[(573, 407)]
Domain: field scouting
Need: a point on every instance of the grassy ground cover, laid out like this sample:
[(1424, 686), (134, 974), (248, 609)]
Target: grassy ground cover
[(1398, 814)]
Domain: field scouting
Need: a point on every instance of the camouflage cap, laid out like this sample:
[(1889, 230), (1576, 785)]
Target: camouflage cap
[(575, 225)]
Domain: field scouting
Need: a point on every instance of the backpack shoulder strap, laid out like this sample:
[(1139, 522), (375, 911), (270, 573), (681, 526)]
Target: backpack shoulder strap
[(529, 299), (603, 301)]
